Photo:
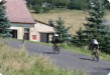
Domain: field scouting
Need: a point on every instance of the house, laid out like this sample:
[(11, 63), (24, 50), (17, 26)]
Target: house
[(42, 32), (22, 23)]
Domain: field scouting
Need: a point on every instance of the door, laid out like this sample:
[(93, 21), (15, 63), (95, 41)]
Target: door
[(43, 37), (14, 34), (26, 33)]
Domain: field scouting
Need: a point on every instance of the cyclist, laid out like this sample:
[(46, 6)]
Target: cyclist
[(95, 51), (56, 42)]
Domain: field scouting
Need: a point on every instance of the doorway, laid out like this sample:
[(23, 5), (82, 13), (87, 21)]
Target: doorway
[(43, 37), (14, 34), (26, 34)]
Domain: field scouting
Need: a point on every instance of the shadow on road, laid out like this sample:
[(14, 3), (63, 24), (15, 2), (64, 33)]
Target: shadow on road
[(107, 69), (101, 71), (49, 53), (85, 59)]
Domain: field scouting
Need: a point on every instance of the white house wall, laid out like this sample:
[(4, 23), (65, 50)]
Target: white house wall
[(40, 28), (20, 29), (35, 30), (43, 28)]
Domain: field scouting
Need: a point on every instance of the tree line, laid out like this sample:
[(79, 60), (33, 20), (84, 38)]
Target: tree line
[(46, 5)]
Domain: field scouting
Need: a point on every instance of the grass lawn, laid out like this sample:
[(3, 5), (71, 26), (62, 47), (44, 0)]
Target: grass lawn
[(74, 18)]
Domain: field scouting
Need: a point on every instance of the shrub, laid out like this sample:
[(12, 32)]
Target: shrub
[(40, 9)]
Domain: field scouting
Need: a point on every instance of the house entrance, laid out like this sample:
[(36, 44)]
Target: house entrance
[(14, 34), (45, 37), (26, 34)]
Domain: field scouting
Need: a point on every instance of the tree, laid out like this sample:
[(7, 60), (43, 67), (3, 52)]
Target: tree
[(62, 30), (96, 26), (96, 19), (34, 2), (61, 3), (104, 38), (40, 6), (107, 4), (49, 3), (79, 38), (4, 22), (78, 4)]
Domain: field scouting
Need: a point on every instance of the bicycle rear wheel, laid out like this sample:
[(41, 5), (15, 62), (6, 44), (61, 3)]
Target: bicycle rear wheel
[(95, 55), (56, 49)]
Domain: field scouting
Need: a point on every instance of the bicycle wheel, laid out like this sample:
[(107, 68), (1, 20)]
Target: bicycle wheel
[(95, 55), (56, 49)]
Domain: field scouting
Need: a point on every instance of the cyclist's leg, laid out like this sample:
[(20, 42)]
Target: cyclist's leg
[(54, 48), (93, 53), (58, 49), (97, 54)]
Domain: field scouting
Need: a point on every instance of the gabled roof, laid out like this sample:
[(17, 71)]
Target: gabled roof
[(18, 12)]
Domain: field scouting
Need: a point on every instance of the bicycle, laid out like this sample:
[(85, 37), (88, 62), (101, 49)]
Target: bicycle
[(56, 49), (95, 54)]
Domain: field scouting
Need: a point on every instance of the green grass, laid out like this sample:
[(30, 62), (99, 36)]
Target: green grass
[(18, 62)]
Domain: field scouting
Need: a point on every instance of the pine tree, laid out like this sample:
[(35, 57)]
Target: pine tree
[(62, 30), (95, 20), (4, 22), (104, 38), (79, 38), (97, 27)]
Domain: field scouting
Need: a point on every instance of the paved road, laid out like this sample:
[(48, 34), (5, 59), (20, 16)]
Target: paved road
[(67, 59)]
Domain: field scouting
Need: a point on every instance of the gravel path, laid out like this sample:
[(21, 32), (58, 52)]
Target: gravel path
[(66, 59)]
